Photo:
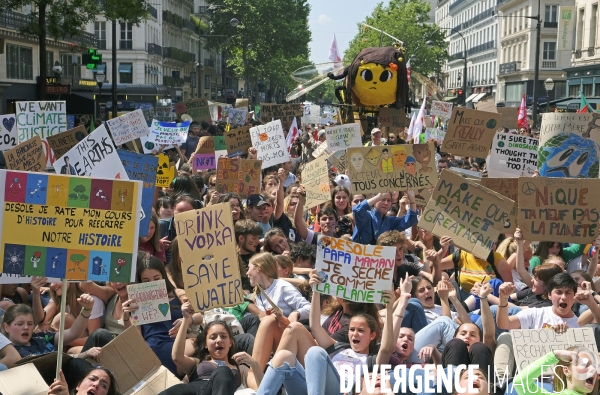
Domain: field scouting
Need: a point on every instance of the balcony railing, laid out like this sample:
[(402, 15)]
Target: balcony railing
[(152, 11), (208, 62), (178, 54), (154, 49), (456, 4), (550, 24), (482, 47), (510, 67), (476, 19), (549, 64)]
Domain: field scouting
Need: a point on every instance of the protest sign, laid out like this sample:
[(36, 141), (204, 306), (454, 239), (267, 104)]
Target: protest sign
[(569, 145), (41, 118), (128, 127), (196, 108), (338, 160), (508, 187), (343, 136), (165, 173), (559, 209), (204, 157), (311, 114), (241, 176), (165, 134), (470, 132), (471, 214), (143, 168), (392, 117), (510, 117), (353, 271), (61, 143), (28, 156), (392, 167), (94, 156), (220, 147), (322, 149), (241, 103), (238, 141), (488, 105), (529, 345), (441, 109), (435, 134), (512, 155), (152, 299), (7, 278), (237, 117), (211, 274), (9, 136), (315, 179), (283, 112), (269, 141), (58, 226)]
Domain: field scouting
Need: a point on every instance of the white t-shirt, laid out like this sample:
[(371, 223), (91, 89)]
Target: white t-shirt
[(436, 312), (540, 317), (97, 310), (349, 358), (3, 341), (518, 281)]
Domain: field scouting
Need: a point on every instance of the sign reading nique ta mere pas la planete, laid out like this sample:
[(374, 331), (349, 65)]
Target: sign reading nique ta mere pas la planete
[(57, 226)]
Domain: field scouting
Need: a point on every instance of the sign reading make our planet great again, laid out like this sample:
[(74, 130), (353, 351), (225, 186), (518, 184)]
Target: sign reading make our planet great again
[(470, 132), (353, 271), (55, 226)]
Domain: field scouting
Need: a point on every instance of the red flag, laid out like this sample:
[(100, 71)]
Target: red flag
[(292, 134), (522, 119)]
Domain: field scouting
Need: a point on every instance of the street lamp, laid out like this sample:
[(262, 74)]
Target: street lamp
[(549, 85), (100, 77)]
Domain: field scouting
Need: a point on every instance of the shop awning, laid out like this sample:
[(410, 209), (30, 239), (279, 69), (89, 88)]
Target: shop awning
[(473, 96), (479, 97), (125, 68), (450, 98)]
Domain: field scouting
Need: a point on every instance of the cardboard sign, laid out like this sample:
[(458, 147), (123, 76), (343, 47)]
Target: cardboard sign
[(559, 209), (59, 226), (530, 345), (143, 168), (269, 141), (471, 214), (488, 105), (392, 117), (470, 132), (236, 117), (343, 136), (512, 155), (204, 157), (9, 136), (282, 112), (61, 143), (128, 127), (575, 135), (241, 176), (435, 134), (165, 134), (322, 149), (165, 173), (238, 141), (338, 160), (508, 187), (241, 103), (441, 109), (197, 109), (152, 300), (41, 118), (510, 117), (211, 274), (28, 156), (392, 167), (94, 156), (353, 271), (12, 381), (315, 179), (311, 114)]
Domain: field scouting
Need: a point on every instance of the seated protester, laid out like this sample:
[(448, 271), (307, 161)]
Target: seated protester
[(340, 202), (338, 317), (285, 271), (152, 243), (256, 206), (98, 381), (371, 222), (247, 236), (276, 242), (326, 217), (508, 249), (547, 248), (214, 367), (281, 219), (425, 241), (394, 238), (8, 353), (113, 295), (293, 306), (304, 257), (14, 294), (405, 345)]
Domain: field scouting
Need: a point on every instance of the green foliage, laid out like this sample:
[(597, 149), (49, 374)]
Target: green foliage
[(405, 20), (79, 189), (173, 18), (200, 24), (77, 258), (328, 90)]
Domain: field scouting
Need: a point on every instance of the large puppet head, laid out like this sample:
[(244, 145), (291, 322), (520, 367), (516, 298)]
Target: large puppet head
[(377, 76)]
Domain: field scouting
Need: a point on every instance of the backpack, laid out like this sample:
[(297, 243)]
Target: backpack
[(456, 259)]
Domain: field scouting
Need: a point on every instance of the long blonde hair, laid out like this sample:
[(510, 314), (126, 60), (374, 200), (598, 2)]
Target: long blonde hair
[(73, 293), (267, 265)]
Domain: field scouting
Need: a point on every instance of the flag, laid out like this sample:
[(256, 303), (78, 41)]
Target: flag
[(584, 106), (409, 133), (418, 126), (334, 53), (408, 71), (292, 134), (522, 119)]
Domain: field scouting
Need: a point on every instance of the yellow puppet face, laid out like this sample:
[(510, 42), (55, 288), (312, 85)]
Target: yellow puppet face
[(375, 85)]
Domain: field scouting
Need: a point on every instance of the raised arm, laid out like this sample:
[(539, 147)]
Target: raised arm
[(387, 337), (463, 314), (503, 320), (78, 328), (39, 314), (102, 292), (524, 273), (489, 326), (280, 194), (591, 270), (184, 363), (585, 297), (443, 290), (321, 336), (299, 223)]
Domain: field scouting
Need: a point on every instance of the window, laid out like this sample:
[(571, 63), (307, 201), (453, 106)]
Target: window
[(514, 91), (573, 90), (593, 22), (19, 62), (100, 31), (126, 41), (125, 73), (49, 63), (551, 13), (71, 65), (587, 90), (549, 52)]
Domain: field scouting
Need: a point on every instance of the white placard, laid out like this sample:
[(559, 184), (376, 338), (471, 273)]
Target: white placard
[(269, 141), (128, 127), (441, 108), (512, 155), (9, 137), (41, 118), (166, 134), (152, 300), (343, 136), (311, 114)]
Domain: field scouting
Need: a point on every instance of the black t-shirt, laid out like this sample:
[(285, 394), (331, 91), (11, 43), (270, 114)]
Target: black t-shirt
[(245, 281), (411, 268), (285, 224), (336, 326), (526, 297)]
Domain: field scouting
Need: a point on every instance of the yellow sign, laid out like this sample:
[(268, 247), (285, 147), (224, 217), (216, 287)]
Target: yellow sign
[(164, 172)]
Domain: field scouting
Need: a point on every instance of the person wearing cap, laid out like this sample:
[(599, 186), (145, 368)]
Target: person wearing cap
[(375, 138), (256, 208), (322, 136)]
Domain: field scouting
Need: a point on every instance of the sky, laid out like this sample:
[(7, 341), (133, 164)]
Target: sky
[(335, 16)]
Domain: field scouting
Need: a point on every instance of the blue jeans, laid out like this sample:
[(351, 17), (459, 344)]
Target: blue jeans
[(414, 316), (419, 383), (321, 375), (438, 333), (293, 379), (513, 310)]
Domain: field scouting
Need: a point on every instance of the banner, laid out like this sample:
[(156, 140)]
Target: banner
[(508, 187), (41, 118), (470, 132), (391, 167), (311, 114), (343, 136), (488, 104), (57, 226), (282, 112), (441, 109), (27, 156), (152, 299), (128, 127), (61, 143), (94, 156), (569, 145), (566, 26), (9, 136), (237, 141), (143, 168), (393, 118), (269, 141), (196, 108), (471, 214), (559, 209), (165, 173), (241, 176), (352, 271), (512, 155), (165, 134), (315, 179), (436, 134), (204, 157), (211, 274), (236, 117)]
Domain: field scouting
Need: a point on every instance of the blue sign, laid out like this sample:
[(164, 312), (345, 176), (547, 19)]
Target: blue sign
[(142, 168), (70, 122)]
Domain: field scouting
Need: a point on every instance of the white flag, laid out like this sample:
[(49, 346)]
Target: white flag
[(292, 134), (418, 127), (409, 134), (334, 54)]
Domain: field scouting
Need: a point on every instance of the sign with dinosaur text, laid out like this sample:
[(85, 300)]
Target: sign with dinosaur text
[(512, 155), (315, 179), (470, 132), (28, 156), (9, 136), (61, 143), (240, 176), (152, 299), (58, 226)]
